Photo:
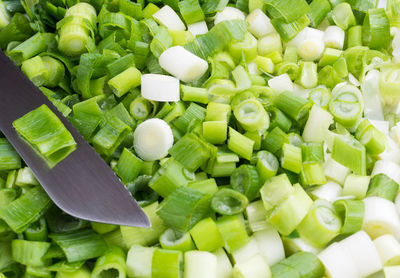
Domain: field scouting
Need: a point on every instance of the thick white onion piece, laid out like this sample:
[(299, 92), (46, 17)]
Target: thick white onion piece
[(391, 271), (182, 64), (371, 93), (152, 139), (389, 168), (338, 263), (160, 87), (317, 124), (246, 252), (329, 191), (380, 218), (389, 249), (363, 252), (382, 126), (199, 264), (198, 28), (224, 266), (255, 267), (229, 13), (259, 23), (392, 151), (281, 83), (167, 16), (270, 244), (306, 33), (334, 37), (311, 49)]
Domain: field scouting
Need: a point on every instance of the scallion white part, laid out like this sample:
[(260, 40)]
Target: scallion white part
[(199, 264), (317, 124), (281, 83), (187, 68), (306, 33), (363, 252), (338, 263), (259, 23), (138, 261), (224, 266), (255, 267), (167, 17), (253, 68), (229, 13), (380, 217), (395, 133), (246, 252), (372, 100), (381, 125), (389, 249), (311, 49), (329, 191), (391, 271), (270, 245), (392, 151), (152, 139), (334, 37), (298, 244), (389, 168), (160, 87), (335, 171), (198, 28)]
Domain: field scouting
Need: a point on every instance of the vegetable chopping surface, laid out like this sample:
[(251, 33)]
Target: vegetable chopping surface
[(260, 137)]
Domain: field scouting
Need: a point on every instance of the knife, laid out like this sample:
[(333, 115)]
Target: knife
[(82, 184)]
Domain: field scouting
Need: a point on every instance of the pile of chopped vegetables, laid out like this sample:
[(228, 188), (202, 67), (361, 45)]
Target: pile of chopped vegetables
[(261, 137)]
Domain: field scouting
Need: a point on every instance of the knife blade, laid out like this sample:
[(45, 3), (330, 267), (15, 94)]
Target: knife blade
[(82, 184)]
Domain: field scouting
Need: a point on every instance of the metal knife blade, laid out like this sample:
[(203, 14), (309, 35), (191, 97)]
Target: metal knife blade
[(82, 185)]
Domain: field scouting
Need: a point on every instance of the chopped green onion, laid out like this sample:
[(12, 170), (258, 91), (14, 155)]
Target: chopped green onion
[(319, 9), (139, 260), (302, 264), (184, 208), (343, 16), (279, 9), (259, 23), (267, 165), (46, 133), (194, 94), (167, 17), (9, 159), (288, 31), (233, 232), (37, 231), (36, 70), (321, 224), (240, 144), (383, 186), (276, 190), (388, 248), (356, 185), (228, 202), (352, 213), (80, 245), (206, 235), (376, 29), (153, 84), (354, 36), (293, 105), (30, 253), (207, 186), (293, 209), (144, 236), (26, 209), (350, 153), (111, 263), (17, 30), (245, 179), (169, 177), (175, 240), (291, 158), (166, 263), (246, 47), (128, 166), (256, 266)]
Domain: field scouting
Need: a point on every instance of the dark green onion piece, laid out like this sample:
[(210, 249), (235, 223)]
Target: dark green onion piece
[(80, 245), (279, 119), (191, 11), (288, 31), (44, 131), (184, 208), (319, 9), (352, 215), (9, 158), (228, 202), (26, 209), (37, 231), (376, 29), (293, 105), (141, 191), (383, 186), (60, 222), (274, 140), (245, 179), (17, 30), (169, 177), (128, 166), (193, 115), (29, 253)]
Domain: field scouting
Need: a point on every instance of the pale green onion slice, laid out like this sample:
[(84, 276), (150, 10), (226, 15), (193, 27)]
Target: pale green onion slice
[(259, 23), (168, 17), (200, 264), (228, 13)]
